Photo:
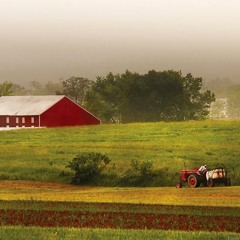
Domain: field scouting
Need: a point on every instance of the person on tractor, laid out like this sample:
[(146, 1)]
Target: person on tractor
[(202, 169)]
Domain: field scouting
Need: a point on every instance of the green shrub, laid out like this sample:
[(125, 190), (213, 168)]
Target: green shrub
[(87, 166), (140, 174)]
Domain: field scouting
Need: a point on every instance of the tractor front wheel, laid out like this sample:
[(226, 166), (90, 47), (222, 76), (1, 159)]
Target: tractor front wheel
[(193, 181), (179, 185)]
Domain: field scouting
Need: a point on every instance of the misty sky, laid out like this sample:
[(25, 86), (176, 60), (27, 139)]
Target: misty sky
[(48, 40)]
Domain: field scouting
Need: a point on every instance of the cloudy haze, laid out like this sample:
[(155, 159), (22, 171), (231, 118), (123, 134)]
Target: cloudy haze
[(48, 40)]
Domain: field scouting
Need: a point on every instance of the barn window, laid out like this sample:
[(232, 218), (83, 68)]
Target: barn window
[(32, 119), (23, 119), (7, 119), (17, 120)]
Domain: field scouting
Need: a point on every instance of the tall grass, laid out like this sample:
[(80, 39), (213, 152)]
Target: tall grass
[(42, 154)]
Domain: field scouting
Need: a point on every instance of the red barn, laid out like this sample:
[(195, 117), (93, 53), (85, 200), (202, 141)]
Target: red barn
[(43, 111)]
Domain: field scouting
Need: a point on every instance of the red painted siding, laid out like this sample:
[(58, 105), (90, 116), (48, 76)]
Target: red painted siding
[(67, 113)]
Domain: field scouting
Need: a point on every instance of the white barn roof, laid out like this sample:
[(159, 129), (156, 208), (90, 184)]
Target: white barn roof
[(27, 105)]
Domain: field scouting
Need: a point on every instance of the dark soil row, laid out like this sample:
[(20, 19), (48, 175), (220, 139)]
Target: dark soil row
[(124, 220)]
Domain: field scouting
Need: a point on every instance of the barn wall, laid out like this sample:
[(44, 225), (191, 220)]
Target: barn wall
[(19, 121), (2, 121), (67, 113)]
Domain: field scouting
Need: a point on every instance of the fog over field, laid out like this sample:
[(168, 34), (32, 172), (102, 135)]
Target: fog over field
[(55, 39)]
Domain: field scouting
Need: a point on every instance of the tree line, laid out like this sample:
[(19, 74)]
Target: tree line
[(130, 96)]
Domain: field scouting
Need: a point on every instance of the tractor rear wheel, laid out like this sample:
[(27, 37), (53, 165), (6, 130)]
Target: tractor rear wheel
[(227, 182), (193, 181)]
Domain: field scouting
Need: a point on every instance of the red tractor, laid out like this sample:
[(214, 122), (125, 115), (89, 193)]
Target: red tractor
[(193, 178), (208, 178)]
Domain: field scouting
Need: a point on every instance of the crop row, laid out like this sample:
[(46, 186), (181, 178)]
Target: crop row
[(120, 207), (123, 220)]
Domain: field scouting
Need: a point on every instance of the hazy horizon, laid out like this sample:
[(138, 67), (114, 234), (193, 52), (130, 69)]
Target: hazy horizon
[(56, 39)]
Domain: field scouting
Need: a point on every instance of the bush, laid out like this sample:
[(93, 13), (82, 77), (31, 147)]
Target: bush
[(87, 166), (140, 174)]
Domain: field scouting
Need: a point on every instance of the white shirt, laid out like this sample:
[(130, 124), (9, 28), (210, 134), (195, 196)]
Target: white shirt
[(202, 169)]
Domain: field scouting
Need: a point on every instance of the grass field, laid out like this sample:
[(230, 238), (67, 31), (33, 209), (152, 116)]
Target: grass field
[(37, 191), (42, 154), (34, 181), (37, 233)]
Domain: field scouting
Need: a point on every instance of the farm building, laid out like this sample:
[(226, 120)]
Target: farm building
[(43, 111)]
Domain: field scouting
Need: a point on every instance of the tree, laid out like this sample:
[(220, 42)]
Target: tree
[(96, 104), (76, 88), (196, 103), (103, 99), (6, 88), (18, 90), (163, 96), (155, 96), (36, 87), (50, 88)]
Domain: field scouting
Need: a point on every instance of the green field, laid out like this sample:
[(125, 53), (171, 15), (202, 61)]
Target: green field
[(42, 154), (35, 233)]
